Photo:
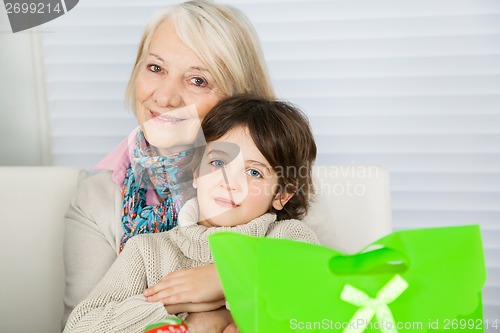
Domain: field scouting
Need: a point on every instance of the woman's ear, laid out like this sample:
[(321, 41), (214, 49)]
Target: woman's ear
[(281, 199)]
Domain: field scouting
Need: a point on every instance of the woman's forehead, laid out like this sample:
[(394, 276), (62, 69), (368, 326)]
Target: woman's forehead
[(167, 47)]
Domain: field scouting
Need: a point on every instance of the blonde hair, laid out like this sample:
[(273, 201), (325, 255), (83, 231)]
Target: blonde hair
[(224, 40)]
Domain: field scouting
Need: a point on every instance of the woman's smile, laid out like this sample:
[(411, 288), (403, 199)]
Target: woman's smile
[(165, 118)]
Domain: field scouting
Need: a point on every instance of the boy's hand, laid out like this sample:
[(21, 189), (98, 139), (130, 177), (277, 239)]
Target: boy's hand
[(209, 322), (195, 285), (232, 328)]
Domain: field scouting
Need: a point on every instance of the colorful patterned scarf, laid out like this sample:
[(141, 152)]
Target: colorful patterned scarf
[(166, 175)]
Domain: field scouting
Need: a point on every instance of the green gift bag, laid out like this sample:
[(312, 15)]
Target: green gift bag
[(425, 280)]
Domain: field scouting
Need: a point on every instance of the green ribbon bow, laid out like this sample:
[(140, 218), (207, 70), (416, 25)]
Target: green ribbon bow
[(374, 306)]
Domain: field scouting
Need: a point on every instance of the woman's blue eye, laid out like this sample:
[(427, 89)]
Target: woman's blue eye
[(154, 68), (218, 163), (254, 173)]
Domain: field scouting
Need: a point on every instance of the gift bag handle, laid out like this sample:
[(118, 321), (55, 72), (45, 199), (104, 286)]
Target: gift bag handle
[(379, 261)]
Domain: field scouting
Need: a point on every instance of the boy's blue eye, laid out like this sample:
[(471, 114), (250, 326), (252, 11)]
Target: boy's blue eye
[(218, 163), (254, 173)]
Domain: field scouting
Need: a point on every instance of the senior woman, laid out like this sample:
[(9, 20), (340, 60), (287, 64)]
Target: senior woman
[(191, 56)]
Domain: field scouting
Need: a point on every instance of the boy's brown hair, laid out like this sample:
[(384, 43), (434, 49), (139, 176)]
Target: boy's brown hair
[(282, 134)]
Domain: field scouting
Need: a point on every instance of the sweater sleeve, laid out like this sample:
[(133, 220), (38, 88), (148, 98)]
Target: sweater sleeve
[(292, 229), (117, 303)]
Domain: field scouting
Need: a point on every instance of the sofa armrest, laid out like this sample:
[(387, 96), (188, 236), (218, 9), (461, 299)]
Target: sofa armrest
[(33, 201)]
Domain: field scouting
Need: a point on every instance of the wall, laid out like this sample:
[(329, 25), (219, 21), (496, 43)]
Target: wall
[(23, 125)]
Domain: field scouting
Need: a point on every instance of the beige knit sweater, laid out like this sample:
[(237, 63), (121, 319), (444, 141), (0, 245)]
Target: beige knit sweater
[(117, 303)]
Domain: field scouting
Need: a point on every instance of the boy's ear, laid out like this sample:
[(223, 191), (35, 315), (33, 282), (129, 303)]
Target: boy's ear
[(195, 178), (281, 199)]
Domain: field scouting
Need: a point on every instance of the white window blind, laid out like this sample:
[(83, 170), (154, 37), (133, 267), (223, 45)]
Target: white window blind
[(410, 85)]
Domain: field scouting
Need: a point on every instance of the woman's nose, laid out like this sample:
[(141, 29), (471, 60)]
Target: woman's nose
[(168, 93)]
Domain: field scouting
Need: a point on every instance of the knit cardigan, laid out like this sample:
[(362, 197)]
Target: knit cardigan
[(117, 303)]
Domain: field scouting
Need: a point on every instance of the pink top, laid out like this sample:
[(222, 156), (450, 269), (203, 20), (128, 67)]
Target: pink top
[(118, 161)]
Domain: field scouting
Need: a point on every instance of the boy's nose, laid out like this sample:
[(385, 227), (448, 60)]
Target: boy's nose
[(234, 179), (229, 179)]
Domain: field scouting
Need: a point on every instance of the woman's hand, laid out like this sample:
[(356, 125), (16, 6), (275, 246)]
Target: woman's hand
[(195, 285), (195, 307), (210, 322)]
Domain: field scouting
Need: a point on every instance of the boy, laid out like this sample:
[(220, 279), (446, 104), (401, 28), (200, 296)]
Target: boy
[(254, 178)]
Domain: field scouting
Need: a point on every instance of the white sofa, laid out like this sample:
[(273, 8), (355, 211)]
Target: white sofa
[(352, 210)]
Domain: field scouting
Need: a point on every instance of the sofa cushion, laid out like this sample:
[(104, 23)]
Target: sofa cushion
[(352, 206)]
